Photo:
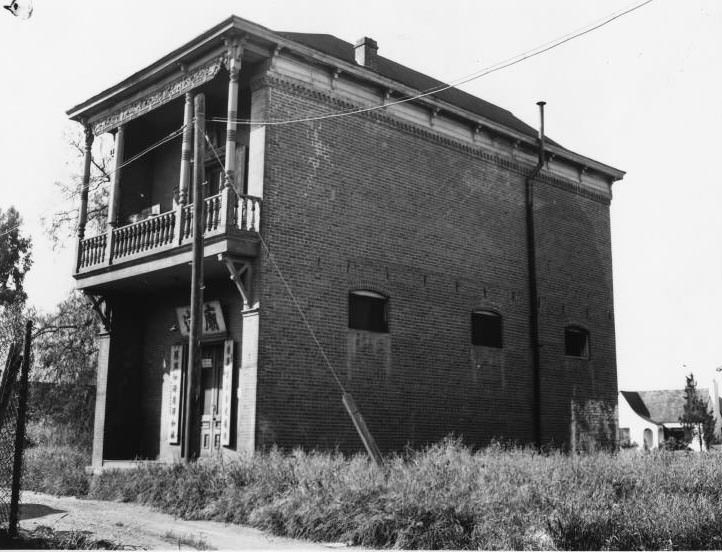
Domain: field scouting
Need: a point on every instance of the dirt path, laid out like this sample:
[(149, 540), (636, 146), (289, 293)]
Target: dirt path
[(135, 526)]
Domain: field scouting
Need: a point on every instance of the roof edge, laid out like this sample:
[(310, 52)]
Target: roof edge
[(235, 25)]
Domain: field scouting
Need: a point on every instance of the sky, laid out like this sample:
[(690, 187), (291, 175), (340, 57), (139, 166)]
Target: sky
[(643, 94)]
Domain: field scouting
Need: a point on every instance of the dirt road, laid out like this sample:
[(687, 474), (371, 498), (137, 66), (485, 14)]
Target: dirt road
[(139, 527)]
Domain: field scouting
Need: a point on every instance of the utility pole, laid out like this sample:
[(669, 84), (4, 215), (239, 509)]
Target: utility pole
[(193, 379)]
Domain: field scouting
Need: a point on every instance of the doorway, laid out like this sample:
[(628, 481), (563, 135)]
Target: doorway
[(211, 387)]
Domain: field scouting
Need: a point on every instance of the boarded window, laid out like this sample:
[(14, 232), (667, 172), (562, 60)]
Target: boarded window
[(576, 342), (368, 311), (486, 329)]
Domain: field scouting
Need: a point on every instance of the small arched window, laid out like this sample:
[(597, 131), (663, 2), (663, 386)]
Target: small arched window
[(486, 329), (369, 311), (576, 342)]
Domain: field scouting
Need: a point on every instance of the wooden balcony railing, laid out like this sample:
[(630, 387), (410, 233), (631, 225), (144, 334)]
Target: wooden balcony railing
[(143, 236), (221, 213), (92, 250)]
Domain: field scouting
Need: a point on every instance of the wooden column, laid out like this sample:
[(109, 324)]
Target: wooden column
[(186, 150), (83, 215), (185, 167), (114, 199), (234, 53)]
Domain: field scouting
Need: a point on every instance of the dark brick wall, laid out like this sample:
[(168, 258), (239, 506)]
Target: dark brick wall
[(122, 420), (575, 288), (362, 202), (357, 203)]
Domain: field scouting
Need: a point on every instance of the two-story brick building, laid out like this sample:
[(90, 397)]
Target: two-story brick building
[(402, 228)]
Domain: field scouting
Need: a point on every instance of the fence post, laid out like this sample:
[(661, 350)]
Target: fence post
[(20, 432)]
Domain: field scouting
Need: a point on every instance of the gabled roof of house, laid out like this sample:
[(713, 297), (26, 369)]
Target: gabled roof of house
[(664, 406)]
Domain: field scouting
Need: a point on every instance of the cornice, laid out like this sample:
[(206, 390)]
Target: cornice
[(297, 87), (160, 96), (265, 43)]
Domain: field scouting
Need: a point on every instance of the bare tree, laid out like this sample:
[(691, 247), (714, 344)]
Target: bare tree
[(62, 224)]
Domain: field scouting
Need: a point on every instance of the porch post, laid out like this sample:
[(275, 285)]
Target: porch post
[(114, 199), (185, 167), (101, 390), (235, 53), (83, 214), (247, 383)]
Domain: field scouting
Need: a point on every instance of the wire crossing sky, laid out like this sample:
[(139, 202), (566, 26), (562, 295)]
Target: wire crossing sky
[(641, 94)]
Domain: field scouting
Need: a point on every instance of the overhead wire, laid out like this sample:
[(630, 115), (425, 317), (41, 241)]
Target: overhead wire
[(442, 87), (287, 286), (434, 90), (147, 150), (497, 67)]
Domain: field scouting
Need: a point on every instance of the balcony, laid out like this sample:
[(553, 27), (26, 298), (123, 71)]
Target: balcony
[(161, 242)]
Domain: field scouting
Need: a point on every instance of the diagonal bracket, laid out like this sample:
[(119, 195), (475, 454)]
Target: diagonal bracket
[(237, 268), (101, 306)]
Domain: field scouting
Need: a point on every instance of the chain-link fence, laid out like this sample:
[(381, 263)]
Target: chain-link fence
[(13, 408)]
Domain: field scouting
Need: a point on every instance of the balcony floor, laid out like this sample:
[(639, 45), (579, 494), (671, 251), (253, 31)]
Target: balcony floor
[(167, 267)]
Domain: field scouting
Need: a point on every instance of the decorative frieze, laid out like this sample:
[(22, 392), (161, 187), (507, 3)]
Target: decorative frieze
[(510, 163), (174, 89)]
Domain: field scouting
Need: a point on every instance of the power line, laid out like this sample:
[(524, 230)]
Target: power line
[(147, 150), (463, 80), (165, 139), (287, 286), (435, 90)]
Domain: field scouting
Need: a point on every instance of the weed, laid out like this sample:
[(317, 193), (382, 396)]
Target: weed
[(197, 543), (44, 538), (446, 496)]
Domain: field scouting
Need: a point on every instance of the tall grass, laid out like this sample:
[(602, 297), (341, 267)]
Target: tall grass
[(448, 496), (55, 461)]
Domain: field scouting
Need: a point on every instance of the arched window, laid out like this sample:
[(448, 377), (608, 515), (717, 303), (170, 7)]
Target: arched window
[(576, 342), (369, 311), (486, 329)]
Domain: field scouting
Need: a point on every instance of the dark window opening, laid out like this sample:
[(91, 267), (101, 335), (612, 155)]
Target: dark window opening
[(214, 180), (368, 311), (486, 329), (576, 342)]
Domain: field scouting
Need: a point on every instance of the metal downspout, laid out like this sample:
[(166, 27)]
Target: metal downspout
[(533, 295)]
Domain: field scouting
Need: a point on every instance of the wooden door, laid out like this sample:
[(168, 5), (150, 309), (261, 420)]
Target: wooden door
[(211, 385)]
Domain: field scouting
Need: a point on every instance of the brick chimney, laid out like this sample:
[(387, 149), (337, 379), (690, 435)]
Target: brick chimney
[(367, 53)]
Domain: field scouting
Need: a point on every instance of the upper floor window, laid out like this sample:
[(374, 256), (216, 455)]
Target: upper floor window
[(368, 310), (576, 342), (486, 329)]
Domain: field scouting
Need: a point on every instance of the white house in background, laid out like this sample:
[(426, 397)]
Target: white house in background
[(648, 418)]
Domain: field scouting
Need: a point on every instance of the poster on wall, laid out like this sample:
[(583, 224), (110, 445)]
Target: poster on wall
[(226, 394), (176, 358), (212, 320)]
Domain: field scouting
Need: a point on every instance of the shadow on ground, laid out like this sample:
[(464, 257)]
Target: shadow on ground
[(31, 511)]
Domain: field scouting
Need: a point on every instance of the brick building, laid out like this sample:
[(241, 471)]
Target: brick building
[(402, 231)]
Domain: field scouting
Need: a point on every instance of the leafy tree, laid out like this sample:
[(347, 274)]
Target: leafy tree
[(63, 223), (65, 365), (696, 416), (15, 258)]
